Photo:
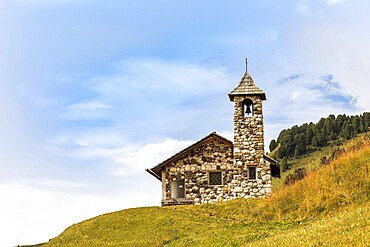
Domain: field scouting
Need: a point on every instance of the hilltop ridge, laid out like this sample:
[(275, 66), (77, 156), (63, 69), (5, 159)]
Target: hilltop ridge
[(328, 207)]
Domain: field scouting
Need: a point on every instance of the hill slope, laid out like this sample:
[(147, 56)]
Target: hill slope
[(330, 206)]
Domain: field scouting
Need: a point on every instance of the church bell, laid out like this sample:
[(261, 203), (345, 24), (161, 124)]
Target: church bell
[(248, 110)]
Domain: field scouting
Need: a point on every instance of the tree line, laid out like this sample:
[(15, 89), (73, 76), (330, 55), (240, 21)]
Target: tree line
[(300, 140)]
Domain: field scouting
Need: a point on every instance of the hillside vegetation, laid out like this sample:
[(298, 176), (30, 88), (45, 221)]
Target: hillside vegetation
[(329, 207), (306, 138)]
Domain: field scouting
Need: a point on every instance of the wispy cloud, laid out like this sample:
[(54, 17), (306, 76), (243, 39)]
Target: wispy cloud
[(122, 159), (147, 156), (91, 113), (154, 78), (92, 105), (305, 98), (334, 2), (170, 93), (303, 8), (328, 49)]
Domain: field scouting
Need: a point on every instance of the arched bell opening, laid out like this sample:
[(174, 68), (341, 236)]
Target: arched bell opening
[(248, 108)]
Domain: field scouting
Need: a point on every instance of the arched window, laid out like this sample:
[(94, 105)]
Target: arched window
[(248, 108)]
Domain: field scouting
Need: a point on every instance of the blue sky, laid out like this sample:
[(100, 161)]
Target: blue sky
[(94, 92)]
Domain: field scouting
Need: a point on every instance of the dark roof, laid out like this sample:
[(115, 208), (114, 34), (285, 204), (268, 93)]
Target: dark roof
[(271, 160), (274, 166), (156, 171), (247, 87)]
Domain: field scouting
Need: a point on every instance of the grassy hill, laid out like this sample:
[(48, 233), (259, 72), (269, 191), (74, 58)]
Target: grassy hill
[(309, 161), (329, 207)]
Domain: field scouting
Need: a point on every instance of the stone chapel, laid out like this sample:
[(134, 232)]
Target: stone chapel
[(216, 169)]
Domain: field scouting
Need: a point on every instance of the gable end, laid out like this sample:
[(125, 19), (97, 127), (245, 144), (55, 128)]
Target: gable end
[(156, 171)]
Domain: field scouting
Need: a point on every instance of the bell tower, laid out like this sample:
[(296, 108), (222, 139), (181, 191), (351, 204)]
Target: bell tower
[(248, 133)]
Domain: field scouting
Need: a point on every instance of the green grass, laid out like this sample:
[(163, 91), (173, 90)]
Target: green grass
[(348, 227), (310, 161), (36, 245), (329, 207)]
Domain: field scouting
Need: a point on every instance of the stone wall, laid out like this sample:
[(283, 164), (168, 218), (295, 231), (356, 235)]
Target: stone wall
[(214, 155), (248, 132), (249, 145)]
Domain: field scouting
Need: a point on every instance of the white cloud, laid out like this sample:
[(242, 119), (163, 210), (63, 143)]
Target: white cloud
[(150, 77), (111, 149), (302, 8), (139, 85), (92, 105), (147, 156), (334, 2), (123, 159), (341, 50), (151, 98), (86, 111), (302, 99), (33, 211), (294, 95), (57, 184), (328, 43), (227, 134)]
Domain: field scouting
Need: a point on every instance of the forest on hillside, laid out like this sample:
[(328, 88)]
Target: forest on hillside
[(306, 138)]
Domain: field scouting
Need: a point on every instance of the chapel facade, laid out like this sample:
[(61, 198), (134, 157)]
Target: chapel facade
[(216, 169)]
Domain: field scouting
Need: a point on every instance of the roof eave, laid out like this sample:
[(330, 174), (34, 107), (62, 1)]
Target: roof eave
[(270, 159), (231, 96), (153, 174)]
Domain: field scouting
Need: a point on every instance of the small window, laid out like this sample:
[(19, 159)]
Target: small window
[(178, 189), (215, 178), (252, 171), (248, 108)]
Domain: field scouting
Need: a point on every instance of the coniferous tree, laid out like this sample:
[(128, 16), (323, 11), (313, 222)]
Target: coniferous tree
[(367, 121), (273, 145), (315, 142), (329, 130), (300, 147), (285, 164), (347, 132), (356, 121), (340, 122), (362, 128), (295, 141), (287, 144), (309, 134)]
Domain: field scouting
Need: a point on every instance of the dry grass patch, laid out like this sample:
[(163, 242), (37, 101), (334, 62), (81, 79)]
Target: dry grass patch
[(328, 207)]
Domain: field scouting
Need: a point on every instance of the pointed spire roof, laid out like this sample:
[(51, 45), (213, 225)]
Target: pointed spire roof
[(247, 87)]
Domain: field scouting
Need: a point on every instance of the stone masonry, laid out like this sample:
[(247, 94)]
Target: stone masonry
[(211, 155), (215, 169), (249, 146)]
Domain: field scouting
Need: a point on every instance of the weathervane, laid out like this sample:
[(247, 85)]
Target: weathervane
[(246, 65)]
